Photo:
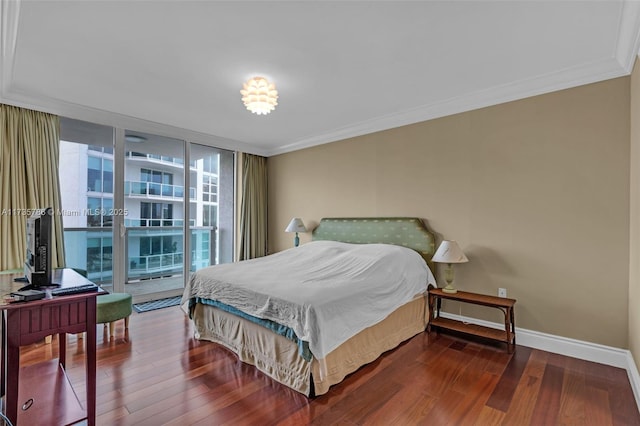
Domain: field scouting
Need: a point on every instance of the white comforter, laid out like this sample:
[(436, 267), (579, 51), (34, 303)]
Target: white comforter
[(325, 291)]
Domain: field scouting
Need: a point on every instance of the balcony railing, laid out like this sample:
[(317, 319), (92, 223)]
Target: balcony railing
[(146, 189), (142, 222), (155, 265), (159, 158), (91, 249)]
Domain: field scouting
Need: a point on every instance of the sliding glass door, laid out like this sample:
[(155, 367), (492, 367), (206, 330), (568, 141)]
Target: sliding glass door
[(211, 208), (86, 184), (154, 197), (133, 201)]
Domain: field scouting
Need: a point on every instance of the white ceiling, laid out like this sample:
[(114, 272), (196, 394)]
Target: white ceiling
[(341, 68)]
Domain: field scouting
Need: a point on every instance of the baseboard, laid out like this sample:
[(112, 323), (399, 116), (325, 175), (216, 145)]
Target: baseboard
[(608, 355), (634, 377)]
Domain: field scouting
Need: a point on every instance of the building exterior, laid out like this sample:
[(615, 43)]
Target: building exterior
[(154, 196)]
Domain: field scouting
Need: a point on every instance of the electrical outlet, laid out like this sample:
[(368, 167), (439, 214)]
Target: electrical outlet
[(502, 292)]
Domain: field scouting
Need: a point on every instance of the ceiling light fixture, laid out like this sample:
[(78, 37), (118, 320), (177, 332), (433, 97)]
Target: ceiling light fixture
[(259, 96), (134, 138)]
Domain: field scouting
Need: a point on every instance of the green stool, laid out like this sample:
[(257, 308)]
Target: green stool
[(113, 307)]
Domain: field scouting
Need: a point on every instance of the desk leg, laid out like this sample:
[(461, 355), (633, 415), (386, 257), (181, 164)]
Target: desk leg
[(91, 361), (3, 350), (11, 398), (62, 349), (430, 298), (12, 362)]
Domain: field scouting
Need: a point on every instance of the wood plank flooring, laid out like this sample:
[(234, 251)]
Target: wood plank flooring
[(159, 374)]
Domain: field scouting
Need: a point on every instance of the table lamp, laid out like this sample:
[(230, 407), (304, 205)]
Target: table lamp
[(449, 252), (296, 225)]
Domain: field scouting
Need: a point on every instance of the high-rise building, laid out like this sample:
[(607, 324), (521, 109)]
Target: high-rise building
[(154, 195)]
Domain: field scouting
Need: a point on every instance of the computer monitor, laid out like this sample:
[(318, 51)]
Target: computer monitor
[(37, 265)]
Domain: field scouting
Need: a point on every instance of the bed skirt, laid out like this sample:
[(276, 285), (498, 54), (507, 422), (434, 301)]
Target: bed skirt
[(278, 357)]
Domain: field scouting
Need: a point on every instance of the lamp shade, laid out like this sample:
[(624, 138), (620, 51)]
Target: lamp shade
[(296, 225), (449, 252)]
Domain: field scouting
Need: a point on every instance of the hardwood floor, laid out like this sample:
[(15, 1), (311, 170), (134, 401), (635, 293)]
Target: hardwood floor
[(160, 374)]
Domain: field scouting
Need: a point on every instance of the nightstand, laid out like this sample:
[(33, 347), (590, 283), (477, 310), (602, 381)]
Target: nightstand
[(506, 305)]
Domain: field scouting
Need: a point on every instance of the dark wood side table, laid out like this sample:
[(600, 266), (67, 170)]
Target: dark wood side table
[(506, 305), (45, 395)]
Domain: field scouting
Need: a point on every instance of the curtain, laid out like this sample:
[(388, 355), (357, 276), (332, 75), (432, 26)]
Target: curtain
[(29, 157), (253, 209)]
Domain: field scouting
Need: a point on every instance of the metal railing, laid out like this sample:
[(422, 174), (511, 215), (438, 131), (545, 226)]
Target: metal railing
[(91, 249), (159, 158), (144, 222), (146, 189), (155, 265)]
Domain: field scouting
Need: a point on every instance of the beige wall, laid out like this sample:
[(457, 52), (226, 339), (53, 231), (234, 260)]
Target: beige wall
[(535, 191), (634, 269)]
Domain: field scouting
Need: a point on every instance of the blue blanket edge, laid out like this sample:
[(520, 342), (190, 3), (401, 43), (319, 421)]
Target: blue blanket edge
[(282, 330)]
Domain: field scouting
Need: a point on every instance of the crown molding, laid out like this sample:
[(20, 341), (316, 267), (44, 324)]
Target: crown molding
[(108, 118), (626, 50), (552, 82), (628, 41), (620, 64)]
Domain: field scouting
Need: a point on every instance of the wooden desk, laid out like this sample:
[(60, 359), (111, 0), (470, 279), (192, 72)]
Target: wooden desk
[(46, 384), (506, 305)]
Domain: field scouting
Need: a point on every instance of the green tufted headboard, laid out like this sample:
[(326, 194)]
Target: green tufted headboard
[(409, 232)]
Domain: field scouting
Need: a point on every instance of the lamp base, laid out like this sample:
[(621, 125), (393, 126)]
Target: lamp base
[(449, 289)]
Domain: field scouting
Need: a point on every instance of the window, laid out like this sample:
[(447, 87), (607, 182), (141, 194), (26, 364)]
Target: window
[(86, 186), (210, 164), (160, 251), (159, 183), (152, 213), (210, 188), (107, 175), (94, 175), (99, 174), (153, 203), (211, 207), (99, 255), (99, 211), (104, 149), (148, 175), (209, 215)]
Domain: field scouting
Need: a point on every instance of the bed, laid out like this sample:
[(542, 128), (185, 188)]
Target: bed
[(359, 290)]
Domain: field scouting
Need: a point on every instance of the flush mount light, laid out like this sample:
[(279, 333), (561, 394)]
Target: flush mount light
[(259, 96), (134, 138)]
